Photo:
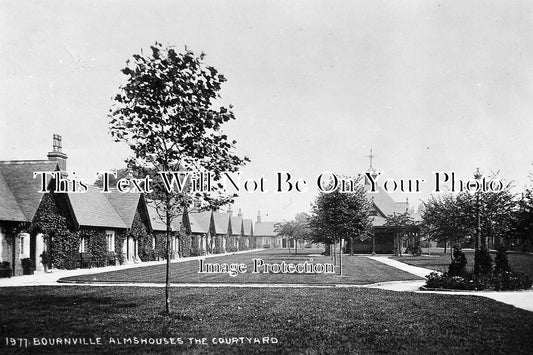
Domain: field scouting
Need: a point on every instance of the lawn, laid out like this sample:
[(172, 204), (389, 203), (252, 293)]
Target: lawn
[(303, 321), (521, 262), (356, 270)]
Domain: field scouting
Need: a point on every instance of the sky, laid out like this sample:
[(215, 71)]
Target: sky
[(428, 85)]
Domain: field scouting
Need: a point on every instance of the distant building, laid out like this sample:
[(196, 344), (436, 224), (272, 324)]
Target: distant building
[(382, 240), (265, 233)]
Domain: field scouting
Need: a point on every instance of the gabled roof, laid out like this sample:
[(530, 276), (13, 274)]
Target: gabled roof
[(221, 220), (248, 226), (125, 204), (379, 221), (236, 225), (265, 229), (158, 224), (24, 189), (93, 209), (9, 208), (384, 205), (200, 222)]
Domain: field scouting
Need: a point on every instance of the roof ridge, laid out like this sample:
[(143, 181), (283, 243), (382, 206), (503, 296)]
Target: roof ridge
[(31, 161)]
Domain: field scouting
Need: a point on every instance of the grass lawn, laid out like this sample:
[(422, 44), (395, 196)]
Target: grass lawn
[(356, 270), (438, 261), (304, 321)]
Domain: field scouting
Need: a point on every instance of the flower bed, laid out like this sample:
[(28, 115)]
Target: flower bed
[(484, 276)]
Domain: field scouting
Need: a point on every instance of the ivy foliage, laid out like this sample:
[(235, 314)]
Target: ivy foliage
[(96, 243), (63, 244), (144, 240), (458, 264), (120, 237)]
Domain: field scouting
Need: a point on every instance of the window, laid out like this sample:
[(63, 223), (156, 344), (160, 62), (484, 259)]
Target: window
[(82, 245), (24, 245), (373, 213), (110, 240)]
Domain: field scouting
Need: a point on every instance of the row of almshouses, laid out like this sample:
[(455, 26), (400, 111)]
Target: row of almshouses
[(100, 228)]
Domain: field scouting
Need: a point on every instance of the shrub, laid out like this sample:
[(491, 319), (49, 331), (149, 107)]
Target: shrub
[(27, 263), (502, 281), (5, 269), (482, 262), (508, 280), (458, 264), (438, 280), (46, 259), (501, 262)]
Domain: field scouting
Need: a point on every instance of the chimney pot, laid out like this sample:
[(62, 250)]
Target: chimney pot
[(57, 153)]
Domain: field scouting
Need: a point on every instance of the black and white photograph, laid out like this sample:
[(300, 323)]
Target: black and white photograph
[(266, 177)]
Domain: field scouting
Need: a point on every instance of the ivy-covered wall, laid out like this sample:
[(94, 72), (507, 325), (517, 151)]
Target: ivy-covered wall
[(160, 244), (63, 243), (186, 243), (95, 243), (219, 244), (120, 237), (138, 231), (195, 244)]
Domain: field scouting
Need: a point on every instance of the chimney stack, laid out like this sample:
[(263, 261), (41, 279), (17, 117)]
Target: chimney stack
[(57, 153), (240, 213), (258, 216), (230, 211)]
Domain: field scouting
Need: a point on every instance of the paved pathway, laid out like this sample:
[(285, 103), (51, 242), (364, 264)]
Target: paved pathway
[(41, 278), (520, 299), (415, 270)]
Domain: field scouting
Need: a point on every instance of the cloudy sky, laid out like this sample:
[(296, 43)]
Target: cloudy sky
[(429, 85)]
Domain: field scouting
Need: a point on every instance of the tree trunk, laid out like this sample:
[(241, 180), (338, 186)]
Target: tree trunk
[(340, 257), (167, 278), (296, 246), (334, 255), (351, 246), (452, 243)]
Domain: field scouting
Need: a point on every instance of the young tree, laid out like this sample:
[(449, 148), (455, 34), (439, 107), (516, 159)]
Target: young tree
[(296, 229), (450, 218), (522, 226), (339, 215), (358, 215), (287, 229), (403, 226), (328, 219), (303, 232), (166, 113)]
